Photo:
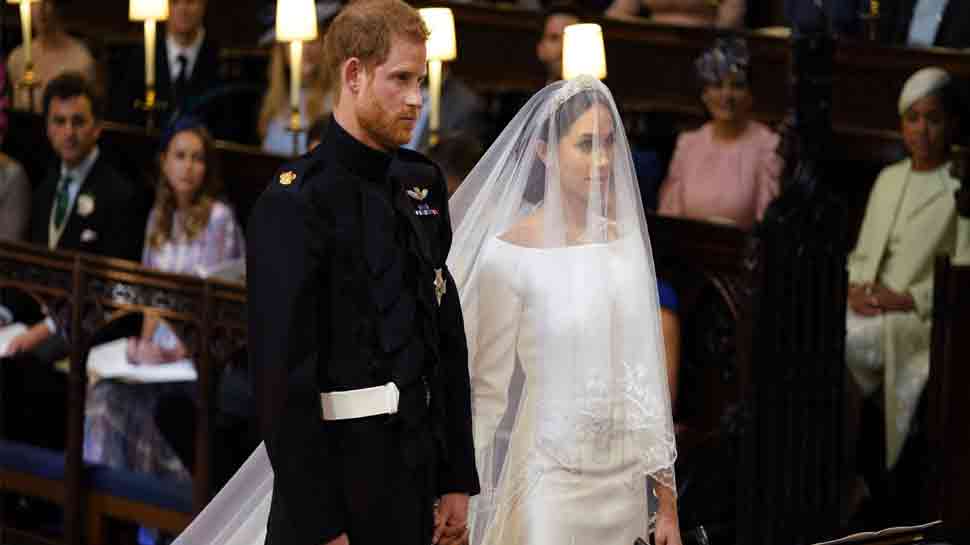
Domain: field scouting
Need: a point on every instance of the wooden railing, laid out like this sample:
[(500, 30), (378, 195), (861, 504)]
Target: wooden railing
[(208, 314), (947, 492)]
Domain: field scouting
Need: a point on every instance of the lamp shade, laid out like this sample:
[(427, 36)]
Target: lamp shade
[(583, 51), (296, 20), (441, 40), (143, 10)]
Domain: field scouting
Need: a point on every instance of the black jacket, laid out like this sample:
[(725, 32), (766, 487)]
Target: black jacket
[(341, 269), (115, 227), (198, 98)]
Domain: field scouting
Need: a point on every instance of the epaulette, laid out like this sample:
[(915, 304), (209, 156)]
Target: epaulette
[(292, 174)]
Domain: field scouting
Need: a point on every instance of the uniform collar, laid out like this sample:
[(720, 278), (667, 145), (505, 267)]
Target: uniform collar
[(355, 156)]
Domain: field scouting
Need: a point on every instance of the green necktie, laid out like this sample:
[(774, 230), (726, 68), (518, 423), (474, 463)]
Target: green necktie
[(61, 200)]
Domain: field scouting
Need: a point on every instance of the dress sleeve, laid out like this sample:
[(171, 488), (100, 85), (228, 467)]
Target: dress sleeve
[(672, 189), (499, 312), (858, 262), (226, 236), (15, 203), (962, 254), (770, 167)]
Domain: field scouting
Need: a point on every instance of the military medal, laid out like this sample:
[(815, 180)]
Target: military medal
[(424, 210), (440, 287), (287, 177), (418, 193)]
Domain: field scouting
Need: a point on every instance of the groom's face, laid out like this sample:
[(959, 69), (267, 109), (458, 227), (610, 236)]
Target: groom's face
[(390, 100)]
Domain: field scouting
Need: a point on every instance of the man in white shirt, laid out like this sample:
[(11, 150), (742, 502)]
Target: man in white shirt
[(925, 23), (187, 70)]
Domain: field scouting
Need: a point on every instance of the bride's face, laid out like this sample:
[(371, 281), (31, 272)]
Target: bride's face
[(586, 153)]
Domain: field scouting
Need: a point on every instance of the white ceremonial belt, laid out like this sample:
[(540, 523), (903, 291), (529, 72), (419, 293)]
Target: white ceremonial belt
[(360, 403)]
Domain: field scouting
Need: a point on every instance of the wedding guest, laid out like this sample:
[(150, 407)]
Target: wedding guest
[(727, 171)]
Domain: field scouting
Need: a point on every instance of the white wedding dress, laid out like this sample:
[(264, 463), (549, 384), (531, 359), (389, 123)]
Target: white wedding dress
[(573, 475), (570, 407)]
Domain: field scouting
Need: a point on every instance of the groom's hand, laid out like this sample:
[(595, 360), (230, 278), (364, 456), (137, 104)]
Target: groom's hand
[(451, 520)]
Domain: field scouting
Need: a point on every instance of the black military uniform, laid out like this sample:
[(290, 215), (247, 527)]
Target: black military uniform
[(348, 289)]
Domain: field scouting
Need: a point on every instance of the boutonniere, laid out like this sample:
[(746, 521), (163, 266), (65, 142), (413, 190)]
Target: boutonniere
[(417, 193), (85, 204)]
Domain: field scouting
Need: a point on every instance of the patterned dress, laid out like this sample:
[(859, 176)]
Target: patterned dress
[(119, 424)]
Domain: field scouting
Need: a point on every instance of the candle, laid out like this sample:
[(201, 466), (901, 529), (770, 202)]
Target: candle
[(434, 91), (296, 73), (25, 28), (441, 46), (150, 53)]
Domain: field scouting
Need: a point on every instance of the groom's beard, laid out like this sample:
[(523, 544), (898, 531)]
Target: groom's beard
[(390, 130)]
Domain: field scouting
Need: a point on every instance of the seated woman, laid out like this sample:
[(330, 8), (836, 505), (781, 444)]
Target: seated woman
[(910, 219), (315, 101), (722, 13), (54, 52), (14, 189), (189, 230), (726, 171)]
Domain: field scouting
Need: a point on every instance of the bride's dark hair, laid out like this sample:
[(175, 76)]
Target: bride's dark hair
[(565, 114)]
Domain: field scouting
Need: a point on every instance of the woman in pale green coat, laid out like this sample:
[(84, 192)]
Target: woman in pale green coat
[(910, 219)]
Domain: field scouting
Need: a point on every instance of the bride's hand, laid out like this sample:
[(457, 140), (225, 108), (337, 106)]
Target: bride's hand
[(667, 531)]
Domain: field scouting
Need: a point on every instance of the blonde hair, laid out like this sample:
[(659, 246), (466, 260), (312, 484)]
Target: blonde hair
[(197, 217), (364, 29), (276, 101)]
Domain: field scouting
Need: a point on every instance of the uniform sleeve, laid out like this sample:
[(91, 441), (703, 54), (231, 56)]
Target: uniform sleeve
[(284, 276), (458, 473)]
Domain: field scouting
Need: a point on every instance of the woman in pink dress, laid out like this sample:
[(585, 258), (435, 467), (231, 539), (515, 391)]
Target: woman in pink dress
[(727, 171)]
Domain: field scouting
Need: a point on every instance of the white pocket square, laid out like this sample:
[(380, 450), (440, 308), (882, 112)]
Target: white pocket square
[(88, 235)]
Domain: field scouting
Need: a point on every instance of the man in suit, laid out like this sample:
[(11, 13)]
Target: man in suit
[(841, 16), (186, 71), (82, 205), (941, 23), (356, 339)]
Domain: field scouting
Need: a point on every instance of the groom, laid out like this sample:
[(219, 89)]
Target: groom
[(356, 337)]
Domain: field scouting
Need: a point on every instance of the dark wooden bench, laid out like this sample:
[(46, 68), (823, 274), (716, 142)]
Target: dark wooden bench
[(947, 492), (208, 314)]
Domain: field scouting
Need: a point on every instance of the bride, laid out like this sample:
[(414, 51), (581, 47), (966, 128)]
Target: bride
[(571, 411), (570, 405)]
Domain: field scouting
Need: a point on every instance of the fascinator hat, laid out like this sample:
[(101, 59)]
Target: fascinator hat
[(729, 56), (924, 83), (179, 124)]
